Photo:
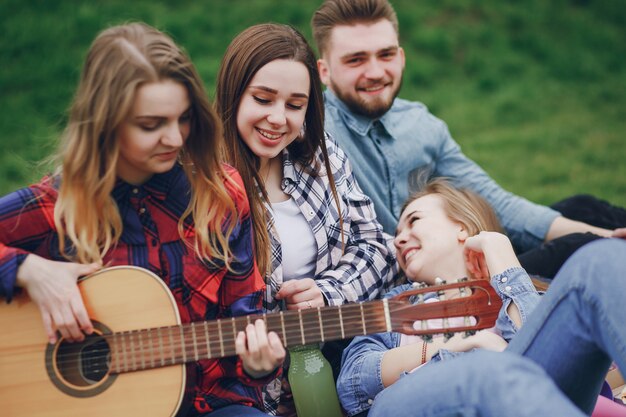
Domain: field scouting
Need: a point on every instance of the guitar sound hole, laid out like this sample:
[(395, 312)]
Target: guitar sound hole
[(85, 363)]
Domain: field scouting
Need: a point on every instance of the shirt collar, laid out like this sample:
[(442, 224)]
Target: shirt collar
[(358, 123), (157, 187)]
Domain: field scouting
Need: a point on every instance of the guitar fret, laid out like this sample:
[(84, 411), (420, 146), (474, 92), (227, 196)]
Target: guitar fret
[(150, 335), (219, 329), (208, 344), (141, 350), (118, 361), (319, 317), (124, 352), (363, 319), (171, 337), (282, 323), (234, 329), (133, 355), (183, 346), (343, 334), (161, 351), (301, 327), (387, 315), (195, 343)]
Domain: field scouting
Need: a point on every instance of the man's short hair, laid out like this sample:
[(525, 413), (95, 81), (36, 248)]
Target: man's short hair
[(348, 12)]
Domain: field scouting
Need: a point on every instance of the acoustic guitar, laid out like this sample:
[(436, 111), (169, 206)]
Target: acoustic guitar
[(134, 362)]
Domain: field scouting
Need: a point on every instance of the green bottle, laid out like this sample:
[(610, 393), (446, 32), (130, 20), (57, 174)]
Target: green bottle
[(312, 383)]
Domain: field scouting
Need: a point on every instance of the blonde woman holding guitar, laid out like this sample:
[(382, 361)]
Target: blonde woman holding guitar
[(140, 183), (553, 365)]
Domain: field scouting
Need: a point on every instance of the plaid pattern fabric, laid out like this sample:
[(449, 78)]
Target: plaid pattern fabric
[(367, 267), (150, 239)]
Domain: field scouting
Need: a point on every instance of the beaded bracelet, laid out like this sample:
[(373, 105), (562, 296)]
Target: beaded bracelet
[(424, 349)]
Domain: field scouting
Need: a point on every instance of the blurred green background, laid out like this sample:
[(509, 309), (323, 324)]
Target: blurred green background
[(533, 90)]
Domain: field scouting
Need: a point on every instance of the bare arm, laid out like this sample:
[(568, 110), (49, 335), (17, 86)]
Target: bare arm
[(562, 226), (488, 254), (405, 358)]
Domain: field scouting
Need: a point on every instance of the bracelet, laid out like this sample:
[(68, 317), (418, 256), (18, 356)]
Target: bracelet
[(424, 350)]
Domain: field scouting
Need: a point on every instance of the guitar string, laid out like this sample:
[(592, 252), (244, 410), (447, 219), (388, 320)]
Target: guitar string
[(205, 348), (312, 324), (171, 347), (209, 348)]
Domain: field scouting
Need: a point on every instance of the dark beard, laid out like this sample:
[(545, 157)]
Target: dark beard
[(372, 111)]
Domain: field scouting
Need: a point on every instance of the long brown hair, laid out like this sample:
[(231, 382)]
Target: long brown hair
[(247, 53), (121, 59)]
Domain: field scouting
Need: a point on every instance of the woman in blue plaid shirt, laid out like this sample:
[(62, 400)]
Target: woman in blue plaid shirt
[(317, 238)]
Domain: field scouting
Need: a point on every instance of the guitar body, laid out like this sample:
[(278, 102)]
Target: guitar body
[(32, 383)]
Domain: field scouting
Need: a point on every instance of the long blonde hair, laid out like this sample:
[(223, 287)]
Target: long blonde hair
[(121, 59), (462, 206)]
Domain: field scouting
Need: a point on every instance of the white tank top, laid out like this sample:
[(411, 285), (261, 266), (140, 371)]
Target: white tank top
[(297, 241)]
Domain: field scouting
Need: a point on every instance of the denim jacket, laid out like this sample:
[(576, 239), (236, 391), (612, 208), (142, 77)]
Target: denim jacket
[(393, 156), (360, 379)]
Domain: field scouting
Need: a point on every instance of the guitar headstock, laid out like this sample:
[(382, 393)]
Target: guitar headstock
[(476, 298)]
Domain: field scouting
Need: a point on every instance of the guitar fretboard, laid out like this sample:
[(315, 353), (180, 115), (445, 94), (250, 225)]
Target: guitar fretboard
[(153, 348)]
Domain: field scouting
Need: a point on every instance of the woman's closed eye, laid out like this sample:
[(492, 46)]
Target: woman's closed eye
[(413, 219), (295, 106), (151, 126), (185, 117), (261, 100)]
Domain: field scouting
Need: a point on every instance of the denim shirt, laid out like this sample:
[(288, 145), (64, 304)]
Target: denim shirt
[(396, 154), (360, 379)]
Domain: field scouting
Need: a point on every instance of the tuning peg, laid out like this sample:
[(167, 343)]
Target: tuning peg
[(427, 338), (469, 333), (447, 336), (439, 281), (462, 279)]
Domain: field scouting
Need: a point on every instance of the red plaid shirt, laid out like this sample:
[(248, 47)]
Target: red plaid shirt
[(150, 239)]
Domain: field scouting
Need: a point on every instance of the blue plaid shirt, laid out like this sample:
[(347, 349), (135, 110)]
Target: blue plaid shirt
[(364, 270)]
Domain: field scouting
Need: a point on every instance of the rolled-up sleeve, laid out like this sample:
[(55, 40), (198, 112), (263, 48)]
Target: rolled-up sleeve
[(514, 285)]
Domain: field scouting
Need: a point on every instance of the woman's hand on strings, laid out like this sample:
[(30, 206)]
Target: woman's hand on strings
[(261, 351), (52, 285)]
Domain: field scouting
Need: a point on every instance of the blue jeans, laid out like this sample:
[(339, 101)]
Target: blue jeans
[(554, 366)]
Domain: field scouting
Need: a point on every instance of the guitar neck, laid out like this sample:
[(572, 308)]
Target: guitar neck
[(152, 348)]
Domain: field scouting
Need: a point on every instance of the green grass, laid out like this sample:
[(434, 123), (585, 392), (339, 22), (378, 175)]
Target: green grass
[(534, 91)]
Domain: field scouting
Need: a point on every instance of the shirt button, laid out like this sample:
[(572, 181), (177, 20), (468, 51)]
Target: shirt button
[(154, 242), (507, 288), (503, 279), (370, 401), (142, 210), (135, 190)]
